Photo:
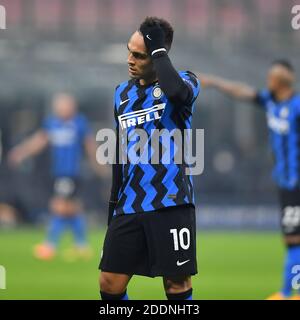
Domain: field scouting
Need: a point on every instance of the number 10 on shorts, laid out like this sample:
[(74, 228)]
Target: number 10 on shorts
[(181, 238)]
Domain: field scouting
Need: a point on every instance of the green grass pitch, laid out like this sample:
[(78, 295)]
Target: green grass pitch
[(242, 265)]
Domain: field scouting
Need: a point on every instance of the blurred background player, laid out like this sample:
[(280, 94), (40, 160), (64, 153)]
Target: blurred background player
[(281, 104), (67, 132)]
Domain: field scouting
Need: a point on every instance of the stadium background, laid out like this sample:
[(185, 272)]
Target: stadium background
[(80, 46)]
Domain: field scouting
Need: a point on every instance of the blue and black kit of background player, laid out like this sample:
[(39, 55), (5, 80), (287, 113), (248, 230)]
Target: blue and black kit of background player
[(153, 229), (66, 139), (283, 119)]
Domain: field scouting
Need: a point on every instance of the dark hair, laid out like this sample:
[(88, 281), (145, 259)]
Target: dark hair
[(165, 25), (284, 63)]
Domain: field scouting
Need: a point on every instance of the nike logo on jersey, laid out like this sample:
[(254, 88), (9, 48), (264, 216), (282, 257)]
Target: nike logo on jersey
[(148, 37), (122, 102), (182, 263), (133, 118)]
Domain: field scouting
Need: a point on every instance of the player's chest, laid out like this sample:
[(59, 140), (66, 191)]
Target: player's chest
[(62, 135), (142, 109)]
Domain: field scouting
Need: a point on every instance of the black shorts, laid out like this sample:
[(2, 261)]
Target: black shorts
[(156, 243), (65, 187), (290, 211)]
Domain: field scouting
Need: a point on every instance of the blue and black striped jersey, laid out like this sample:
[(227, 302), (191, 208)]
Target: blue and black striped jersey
[(146, 186), (283, 120)]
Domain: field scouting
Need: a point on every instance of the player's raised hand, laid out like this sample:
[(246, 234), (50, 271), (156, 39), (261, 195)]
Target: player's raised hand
[(154, 38)]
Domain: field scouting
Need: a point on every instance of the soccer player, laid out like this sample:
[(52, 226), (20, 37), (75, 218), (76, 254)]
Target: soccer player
[(66, 132), (281, 105), (151, 228)]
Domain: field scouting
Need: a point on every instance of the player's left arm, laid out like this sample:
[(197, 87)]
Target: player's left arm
[(178, 90)]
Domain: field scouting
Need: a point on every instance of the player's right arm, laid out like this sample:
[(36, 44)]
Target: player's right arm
[(117, 174), (30, 147), (238, 90)]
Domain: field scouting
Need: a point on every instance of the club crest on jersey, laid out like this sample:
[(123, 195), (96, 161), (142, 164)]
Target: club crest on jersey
[(133, 118), (157, 92)]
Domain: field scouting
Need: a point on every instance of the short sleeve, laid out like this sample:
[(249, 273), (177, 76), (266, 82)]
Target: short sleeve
[(193, 83), (262, 97)]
